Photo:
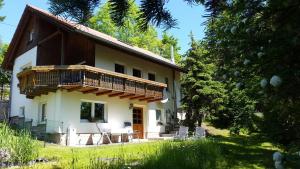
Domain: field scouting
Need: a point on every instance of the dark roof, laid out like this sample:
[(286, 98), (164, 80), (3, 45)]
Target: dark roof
[(86, 31)]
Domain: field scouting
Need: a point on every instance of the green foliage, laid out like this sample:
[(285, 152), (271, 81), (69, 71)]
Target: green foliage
[(202, 94), (79, 10), (20, 144), (130, 32), (252, 41), (4, 75), (1, 5), (176, 155)]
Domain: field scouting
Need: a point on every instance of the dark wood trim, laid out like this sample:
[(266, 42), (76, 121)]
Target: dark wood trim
[(74, 88), (49, 37), (126, 96), (136, 97), (146, 99), (116, 94), (90, 91), (103, 93), (154, 100)]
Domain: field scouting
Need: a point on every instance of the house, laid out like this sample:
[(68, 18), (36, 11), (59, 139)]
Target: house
[(68, 77)]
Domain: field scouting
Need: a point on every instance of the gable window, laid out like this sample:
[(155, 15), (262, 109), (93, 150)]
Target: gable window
[(92, 112), (119, 68), (151, 76), (136, 73), (31, 36)]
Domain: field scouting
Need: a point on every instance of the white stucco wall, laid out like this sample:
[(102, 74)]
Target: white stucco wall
[(64, 107), (106, 58), (17, 99)]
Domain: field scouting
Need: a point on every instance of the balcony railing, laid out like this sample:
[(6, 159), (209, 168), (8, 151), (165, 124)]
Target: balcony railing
[(38, 80)]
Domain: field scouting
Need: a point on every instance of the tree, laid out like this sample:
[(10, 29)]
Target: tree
[(152, 12), (130, 33), (78, 10), (201, 93), (1, 5), (257, 48)]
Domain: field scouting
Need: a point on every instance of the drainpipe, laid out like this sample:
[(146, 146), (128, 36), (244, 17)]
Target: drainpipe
[(10, 93), (174, 85)]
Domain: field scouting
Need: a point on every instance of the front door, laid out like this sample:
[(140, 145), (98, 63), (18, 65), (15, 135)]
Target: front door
[(138, 125)]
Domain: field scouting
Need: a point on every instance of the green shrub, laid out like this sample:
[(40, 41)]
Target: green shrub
[(20, 144)]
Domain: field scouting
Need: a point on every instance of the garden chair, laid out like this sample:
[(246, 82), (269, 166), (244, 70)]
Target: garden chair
[(130, 132), (104, 129), (182, 134), (199, 133)]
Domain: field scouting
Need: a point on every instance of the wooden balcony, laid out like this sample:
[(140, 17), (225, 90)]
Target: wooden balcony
[(39, 80)]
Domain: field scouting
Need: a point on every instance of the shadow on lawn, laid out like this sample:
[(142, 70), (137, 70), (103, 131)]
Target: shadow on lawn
[(250, 152)]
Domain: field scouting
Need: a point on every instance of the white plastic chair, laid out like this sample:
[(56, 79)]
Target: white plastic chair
[(105, 130), (199, 133), (182, 134)]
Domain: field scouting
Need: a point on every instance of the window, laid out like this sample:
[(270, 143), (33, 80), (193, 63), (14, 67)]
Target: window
[(99, 111), (151, 76), (119, 68), (43, 112), (31, 36), (22, 111), (85, 110), (92, 112), (136, 73), (167, 82), (158, 115)]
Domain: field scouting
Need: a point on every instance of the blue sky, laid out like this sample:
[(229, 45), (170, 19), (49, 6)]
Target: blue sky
[(189, 19)]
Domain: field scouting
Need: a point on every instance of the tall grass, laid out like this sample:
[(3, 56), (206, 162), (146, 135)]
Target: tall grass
[(201, 154), (21, 146)]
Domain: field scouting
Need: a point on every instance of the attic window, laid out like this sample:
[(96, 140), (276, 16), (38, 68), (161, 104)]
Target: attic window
[(31, 36)]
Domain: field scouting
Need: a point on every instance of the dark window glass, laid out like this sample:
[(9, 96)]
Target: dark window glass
[(43, 118), (119, 68), (85, 110), (136, 73), (151, 76), (99, 111), (167, 82), (158, 115)]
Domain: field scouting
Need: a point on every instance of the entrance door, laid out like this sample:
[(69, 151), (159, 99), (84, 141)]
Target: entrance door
[(138, 125)]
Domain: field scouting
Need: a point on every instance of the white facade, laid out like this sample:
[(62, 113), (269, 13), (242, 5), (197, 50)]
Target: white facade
[(63, 107)]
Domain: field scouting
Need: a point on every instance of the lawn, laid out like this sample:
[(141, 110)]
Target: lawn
[(218, 151)]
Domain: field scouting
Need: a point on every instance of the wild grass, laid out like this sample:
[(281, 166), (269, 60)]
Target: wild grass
[(21, 147), (219, 151)]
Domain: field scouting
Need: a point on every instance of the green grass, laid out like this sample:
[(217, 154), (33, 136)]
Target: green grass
[(219, 151)]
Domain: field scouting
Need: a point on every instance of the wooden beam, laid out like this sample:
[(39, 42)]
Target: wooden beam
[(74, 88), (90, 91), (137, 97), (116, 94), (154, 100), (126, 96), (49, 37), (102, 93), (146, 98)]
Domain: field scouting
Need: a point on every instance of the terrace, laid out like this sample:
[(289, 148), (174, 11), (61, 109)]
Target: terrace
[(39, 80)]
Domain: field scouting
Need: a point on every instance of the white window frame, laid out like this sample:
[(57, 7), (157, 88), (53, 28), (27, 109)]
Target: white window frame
[(122, 64), (155, 75), (40, 114), (93, 110), (139, 70), (22, 111)]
